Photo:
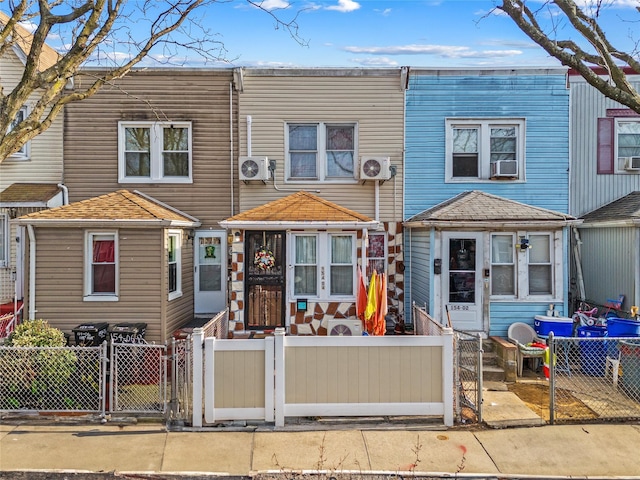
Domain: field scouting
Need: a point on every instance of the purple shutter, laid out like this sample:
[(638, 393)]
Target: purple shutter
[(605, 145)]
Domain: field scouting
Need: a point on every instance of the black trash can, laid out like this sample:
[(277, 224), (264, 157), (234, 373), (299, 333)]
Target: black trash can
[(128, 333), (91, 334)]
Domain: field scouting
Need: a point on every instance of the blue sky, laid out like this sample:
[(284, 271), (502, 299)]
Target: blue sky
[(370, 33)]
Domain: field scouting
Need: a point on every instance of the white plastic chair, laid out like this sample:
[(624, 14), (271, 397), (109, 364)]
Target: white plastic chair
[(522, 334)]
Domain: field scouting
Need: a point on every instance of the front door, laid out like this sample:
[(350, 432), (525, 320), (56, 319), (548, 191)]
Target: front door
[(265, 280), (210, 267), (462, 280)]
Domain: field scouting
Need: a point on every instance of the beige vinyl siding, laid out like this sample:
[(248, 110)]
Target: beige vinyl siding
[(44, 164), (588, 189), (179, 311), (374, 100), (60, 280), (198, 96)]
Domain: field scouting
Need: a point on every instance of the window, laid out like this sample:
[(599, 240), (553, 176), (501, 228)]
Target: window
[(619, 142), (321, 151), (155, 152), (485, 149), (540, 281), (101, 274), (23, 153), (174, 263), (324, 265), (4, 240), (376, 257), (503, 268)]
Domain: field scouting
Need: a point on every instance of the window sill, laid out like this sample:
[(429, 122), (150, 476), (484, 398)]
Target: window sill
[(485, 180), (100, 298), (174, 295), (346, 181), (144, 180)]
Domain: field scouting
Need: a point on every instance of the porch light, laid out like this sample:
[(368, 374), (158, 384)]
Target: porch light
[(524, 244)]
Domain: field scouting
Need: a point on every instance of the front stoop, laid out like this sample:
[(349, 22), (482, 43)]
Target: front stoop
[(501, 353)]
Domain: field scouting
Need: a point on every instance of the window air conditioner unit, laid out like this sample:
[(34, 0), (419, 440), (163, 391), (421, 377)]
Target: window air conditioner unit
[(632, 164), (375, 168), (504, 168), (344, 328), (253, 168)]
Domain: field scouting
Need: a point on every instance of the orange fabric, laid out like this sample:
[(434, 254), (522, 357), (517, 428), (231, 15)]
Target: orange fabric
[(381, 313), (372, 304), (361, 297)]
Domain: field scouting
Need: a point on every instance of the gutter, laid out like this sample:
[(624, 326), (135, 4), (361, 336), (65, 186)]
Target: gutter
[(495, 224), (32, 272), (632, 222), (292, 225), (106, 223)]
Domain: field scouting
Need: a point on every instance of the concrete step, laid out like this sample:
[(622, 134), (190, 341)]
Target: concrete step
[(493, 373)]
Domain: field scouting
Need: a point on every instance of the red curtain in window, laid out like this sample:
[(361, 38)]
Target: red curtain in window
[(103, 251), (104, 268)]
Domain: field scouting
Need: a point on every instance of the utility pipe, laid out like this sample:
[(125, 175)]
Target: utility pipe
[(32, 272), (231, 146), (65, 193), (249, 121)]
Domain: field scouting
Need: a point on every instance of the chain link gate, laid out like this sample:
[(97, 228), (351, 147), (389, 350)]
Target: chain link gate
[(468, 374)]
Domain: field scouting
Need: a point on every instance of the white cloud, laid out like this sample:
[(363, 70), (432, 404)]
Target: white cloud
[(385, 13), (375, 62), (345, 6), (274, 4), (444, 51)]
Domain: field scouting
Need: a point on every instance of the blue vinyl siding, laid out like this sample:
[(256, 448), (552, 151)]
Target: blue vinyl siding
[(542, 100)]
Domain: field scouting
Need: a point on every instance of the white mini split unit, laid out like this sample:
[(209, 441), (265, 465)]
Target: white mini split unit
[(253, 168), (375, 168), (632, 164), (344, 328), (504, 169)]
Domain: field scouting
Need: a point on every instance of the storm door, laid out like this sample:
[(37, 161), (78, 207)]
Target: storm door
[(210, 268), (265, 280), (462, 280)]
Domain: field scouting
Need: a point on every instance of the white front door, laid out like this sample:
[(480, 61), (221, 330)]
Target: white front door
[(462, 279), (210, 266)]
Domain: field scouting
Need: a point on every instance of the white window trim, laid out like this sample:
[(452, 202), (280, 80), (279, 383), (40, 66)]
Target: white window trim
[(178, 234), (323, 262), (522, 267), (155, 154), (484, 125), (24, 153), (5, 245), (321, 160), (619, 163), (89, 296), (515, 264), (385, 252)]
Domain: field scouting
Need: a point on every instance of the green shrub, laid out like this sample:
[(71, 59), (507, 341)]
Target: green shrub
[(36, 333)]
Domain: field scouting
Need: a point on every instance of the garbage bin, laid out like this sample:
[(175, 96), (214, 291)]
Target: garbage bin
[(128, 333), (593, 353), (630, 365), (91, 334)]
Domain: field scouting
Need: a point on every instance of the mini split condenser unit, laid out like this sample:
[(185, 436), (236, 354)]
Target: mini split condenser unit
[(632, 164), (344, 328), (504, 168), (253, 168), (375, 168)]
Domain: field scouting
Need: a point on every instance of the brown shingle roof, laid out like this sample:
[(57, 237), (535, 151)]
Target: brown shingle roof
[(625, 208), (29, 193), (300, 207), (477, 206), (120, 205), (23, 39)]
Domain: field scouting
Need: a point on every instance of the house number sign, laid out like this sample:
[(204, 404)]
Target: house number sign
[(458, 307)]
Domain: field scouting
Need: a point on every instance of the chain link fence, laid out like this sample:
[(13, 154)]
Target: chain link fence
[(48, 379), (468, 351), (594, 377), (181, 362)]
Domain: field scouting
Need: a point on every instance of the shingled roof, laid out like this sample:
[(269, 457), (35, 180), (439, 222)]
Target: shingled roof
[(625, 210), (479, 207), (300, 208), (27, 194), (22, 39), (120, 206)]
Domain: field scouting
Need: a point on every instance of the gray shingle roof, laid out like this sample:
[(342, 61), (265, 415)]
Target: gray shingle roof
[(625, 208)]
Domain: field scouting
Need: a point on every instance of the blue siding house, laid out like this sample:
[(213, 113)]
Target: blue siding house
[(487, 195)]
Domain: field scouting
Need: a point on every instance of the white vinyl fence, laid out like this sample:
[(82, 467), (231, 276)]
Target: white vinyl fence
[(283, 376)]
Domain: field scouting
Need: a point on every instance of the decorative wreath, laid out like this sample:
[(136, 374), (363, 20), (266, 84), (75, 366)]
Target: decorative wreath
[(264, 259)]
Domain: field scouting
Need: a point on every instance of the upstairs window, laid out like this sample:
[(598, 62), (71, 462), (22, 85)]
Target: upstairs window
[(101, 266), (619, 142), (320, 151), (23, 153), (484, 149), (155, 152)]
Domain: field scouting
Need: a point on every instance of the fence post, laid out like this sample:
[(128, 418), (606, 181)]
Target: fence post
[(447, 375), (552, 377), (112, 376), (479, 386), (196, 414), (209, 379), (104, 362), (173, 402), (280, 376)]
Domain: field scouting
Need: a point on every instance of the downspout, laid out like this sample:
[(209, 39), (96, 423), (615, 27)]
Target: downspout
[(249, 120), (65, 193), (32, 272), (231, 146), (377, 200), (578, 259)]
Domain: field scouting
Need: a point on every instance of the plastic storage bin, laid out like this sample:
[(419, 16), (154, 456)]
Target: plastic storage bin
[(593, 354), (630, 364), (560, 326), (91, 334), (622, 327), (128, 333)]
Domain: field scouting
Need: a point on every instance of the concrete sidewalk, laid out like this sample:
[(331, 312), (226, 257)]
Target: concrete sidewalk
[(593, 451)]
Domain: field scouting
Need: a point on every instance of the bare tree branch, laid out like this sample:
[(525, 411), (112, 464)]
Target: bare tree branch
[(584, 21)]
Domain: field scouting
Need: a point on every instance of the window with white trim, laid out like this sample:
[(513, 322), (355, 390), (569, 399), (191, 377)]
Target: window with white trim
[(484, 149), (174, 263), (324, 265), (527, 272), (154, 152), (23, 153), (4, 240), (101, 266), (376, 253), (321, 151)]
